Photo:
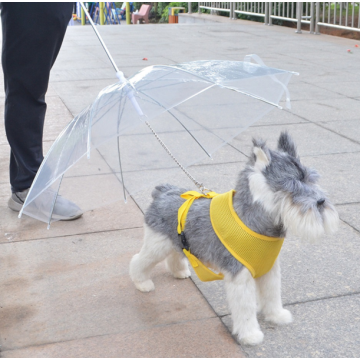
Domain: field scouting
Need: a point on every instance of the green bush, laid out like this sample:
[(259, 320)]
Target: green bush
[(250, 17), (165, 9), (165, 12)]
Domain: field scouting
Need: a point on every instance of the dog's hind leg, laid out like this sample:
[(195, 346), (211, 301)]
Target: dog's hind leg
[(156, 248), (269, 296), (178, 265), (241, 296)]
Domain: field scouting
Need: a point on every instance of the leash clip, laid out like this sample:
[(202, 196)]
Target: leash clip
[(204, 190)]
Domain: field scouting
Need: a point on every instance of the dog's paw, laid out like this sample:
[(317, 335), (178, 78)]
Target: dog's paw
[(281, 317), (182, 274), (252, 338), (145, 286)]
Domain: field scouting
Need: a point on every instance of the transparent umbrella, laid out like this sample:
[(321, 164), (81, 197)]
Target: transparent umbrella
[(141, 130)]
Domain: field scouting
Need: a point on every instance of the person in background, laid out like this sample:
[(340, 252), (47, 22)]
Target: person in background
[(32, 36)]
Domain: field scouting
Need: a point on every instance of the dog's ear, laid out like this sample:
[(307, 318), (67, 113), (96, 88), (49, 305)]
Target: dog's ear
[(287, 144), (261, 154)]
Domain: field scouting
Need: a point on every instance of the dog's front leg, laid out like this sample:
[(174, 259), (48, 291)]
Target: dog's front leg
[(241, 296), (269, 296)]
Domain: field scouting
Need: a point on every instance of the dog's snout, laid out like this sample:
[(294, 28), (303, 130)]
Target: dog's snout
[(320, 202)]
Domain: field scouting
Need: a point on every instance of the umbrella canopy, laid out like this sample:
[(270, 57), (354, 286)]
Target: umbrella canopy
[(116, 145)]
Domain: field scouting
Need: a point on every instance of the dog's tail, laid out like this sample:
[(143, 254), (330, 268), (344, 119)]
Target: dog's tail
[(161, 189)]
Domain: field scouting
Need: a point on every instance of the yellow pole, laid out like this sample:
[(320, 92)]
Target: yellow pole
[(83, 18), (128, 21), (102, 15)]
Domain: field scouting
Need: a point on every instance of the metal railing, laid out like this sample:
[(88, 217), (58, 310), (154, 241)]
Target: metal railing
[(340, 15), (250, 8), (215, 7)]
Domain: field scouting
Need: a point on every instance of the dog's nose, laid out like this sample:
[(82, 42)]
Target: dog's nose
[(320, 202)]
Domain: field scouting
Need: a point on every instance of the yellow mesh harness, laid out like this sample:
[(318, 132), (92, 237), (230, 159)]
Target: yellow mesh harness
[(255, 251)]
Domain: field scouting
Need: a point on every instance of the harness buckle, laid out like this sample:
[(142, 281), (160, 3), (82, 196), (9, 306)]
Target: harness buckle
[(184, 241)]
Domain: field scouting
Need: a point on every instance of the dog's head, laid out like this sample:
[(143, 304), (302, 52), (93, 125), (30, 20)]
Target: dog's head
[(288, 190)]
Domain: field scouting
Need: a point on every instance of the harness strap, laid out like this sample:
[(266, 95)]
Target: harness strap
[(190, 196), (203, 272)]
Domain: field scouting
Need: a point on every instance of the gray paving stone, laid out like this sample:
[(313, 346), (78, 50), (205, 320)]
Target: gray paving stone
[(308, 91), (76, 287), (74, 60), (350, 214), (349, 89), (310, 139), (214, 293), (348, 128), (339, 175), (326, 269), (72, 74), (280, 117), (327, 328), (80, 93), (327, 110), (204, 338)]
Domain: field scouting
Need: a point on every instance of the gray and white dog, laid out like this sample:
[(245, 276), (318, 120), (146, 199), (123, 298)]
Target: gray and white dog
[(275, 195)]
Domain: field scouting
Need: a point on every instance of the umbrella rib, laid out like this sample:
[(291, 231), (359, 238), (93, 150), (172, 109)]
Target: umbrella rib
[(121, 172), (92, 111), (57, 167), (139, 87), (251, 95), (118, 148), (54, 202), (230, 88), (107, 103), (198, 142), (207, 153)]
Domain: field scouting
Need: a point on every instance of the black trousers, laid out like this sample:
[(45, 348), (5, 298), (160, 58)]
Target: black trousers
[(32, 37)]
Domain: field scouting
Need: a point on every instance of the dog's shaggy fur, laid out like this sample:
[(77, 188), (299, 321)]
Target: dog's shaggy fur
[(275, 195)]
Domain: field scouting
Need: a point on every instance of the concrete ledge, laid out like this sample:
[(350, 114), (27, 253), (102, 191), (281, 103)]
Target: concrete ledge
[(197, 18)]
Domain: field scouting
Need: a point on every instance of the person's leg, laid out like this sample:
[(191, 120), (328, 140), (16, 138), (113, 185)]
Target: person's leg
[(32, 37)]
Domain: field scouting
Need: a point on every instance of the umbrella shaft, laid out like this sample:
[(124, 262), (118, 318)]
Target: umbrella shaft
[(137, 107), (99, 37)]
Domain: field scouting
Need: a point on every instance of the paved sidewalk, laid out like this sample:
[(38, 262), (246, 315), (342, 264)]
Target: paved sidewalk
[(66, 292)]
